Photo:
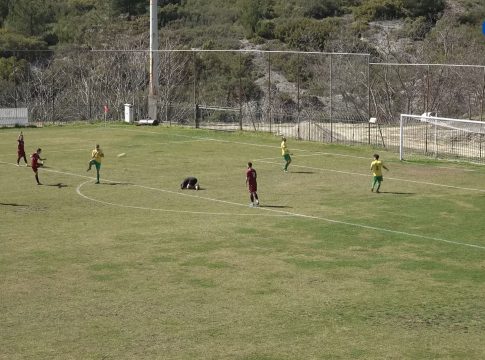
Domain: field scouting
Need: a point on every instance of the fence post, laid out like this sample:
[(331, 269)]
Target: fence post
[(483, 95), (167, 87), (427, 90), (298, 96), (331, 96), (269, 91), (52, 100), (196, 107), (368, 95), (401, 140), (240, 92)]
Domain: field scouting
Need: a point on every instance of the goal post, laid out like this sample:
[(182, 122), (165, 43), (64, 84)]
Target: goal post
[(441, 138)]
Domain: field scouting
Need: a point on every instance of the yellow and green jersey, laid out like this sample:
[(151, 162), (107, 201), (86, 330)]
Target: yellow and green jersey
[(97, 154), (284, 148), (376, 167)]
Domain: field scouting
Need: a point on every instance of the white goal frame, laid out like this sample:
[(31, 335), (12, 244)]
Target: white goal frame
[(458, 128)]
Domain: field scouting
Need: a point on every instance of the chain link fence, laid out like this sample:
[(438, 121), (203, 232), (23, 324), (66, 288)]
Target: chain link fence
[(326, 97)]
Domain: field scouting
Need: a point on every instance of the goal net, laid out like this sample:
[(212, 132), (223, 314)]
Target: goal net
[(443, 138)]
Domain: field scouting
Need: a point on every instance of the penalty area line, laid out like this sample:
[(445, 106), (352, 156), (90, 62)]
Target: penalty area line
[(282, 212), (387, 177), (375, 228)]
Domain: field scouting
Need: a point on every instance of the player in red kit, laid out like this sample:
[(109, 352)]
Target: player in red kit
[(251, 181), (21, 149), (36, 163)]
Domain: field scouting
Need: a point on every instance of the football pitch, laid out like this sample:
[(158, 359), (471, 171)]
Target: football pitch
[(135, 268)]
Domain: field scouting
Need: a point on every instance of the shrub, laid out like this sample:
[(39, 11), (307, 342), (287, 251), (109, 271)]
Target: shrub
[(379, 10)]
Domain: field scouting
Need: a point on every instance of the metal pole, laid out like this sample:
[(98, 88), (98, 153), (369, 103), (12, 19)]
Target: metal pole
[(401, 139), (435, 140), (240, 93), (368, 95), (269, 91), (427, 91), (154, 62), (194, 91), (483, 96), (331, 102), (298, 97), (52, 99), (167, 87)]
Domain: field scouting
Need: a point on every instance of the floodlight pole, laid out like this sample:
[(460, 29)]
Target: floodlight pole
[(154, 62)]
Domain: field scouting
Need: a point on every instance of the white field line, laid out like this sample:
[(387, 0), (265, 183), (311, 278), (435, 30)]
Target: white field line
[(292, 149), (375, 228), (286, 213), (319, 153), (367, 175), (78, 190)]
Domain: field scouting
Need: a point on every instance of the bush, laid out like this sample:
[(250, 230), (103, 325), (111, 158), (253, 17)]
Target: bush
[(265, 29), (306, 34), (13, 69), (379, 10), (430, 9), (416, 29), (11, 41), (319, 9)]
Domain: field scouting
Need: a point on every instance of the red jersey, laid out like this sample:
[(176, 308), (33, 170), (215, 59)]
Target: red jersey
[(20, 147), (35, 160), (251, 179)]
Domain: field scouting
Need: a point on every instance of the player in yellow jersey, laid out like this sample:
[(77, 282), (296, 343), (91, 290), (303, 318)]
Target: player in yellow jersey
[(96, 156), (376, 167), (286, 154)]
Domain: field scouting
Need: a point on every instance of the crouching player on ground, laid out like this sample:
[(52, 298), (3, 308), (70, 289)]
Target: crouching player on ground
[(190, 183), (251, 181)]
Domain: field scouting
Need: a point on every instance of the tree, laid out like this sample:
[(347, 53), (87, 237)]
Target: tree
[(254, 11), (30, 17), (4, 7), (131, 7), (427, 8)]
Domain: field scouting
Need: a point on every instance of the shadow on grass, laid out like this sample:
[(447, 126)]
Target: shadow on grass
[(59, 185), (396, 193), (114, 183), (301, 172), (12, 204), (275, 206)]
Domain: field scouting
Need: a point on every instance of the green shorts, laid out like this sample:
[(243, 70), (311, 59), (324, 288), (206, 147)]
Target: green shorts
[(95, 163), (378, 178), (287, 157)]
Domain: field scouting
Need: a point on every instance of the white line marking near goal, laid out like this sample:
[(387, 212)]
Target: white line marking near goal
[(387, 178), (318, 153), (375, 228), (287, 213)]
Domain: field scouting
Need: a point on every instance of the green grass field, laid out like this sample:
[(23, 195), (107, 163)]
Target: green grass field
[(135, 268)]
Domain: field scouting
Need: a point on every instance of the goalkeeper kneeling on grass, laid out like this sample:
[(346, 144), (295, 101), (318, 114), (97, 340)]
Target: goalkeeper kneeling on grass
[(376, 167), (190, 183)]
